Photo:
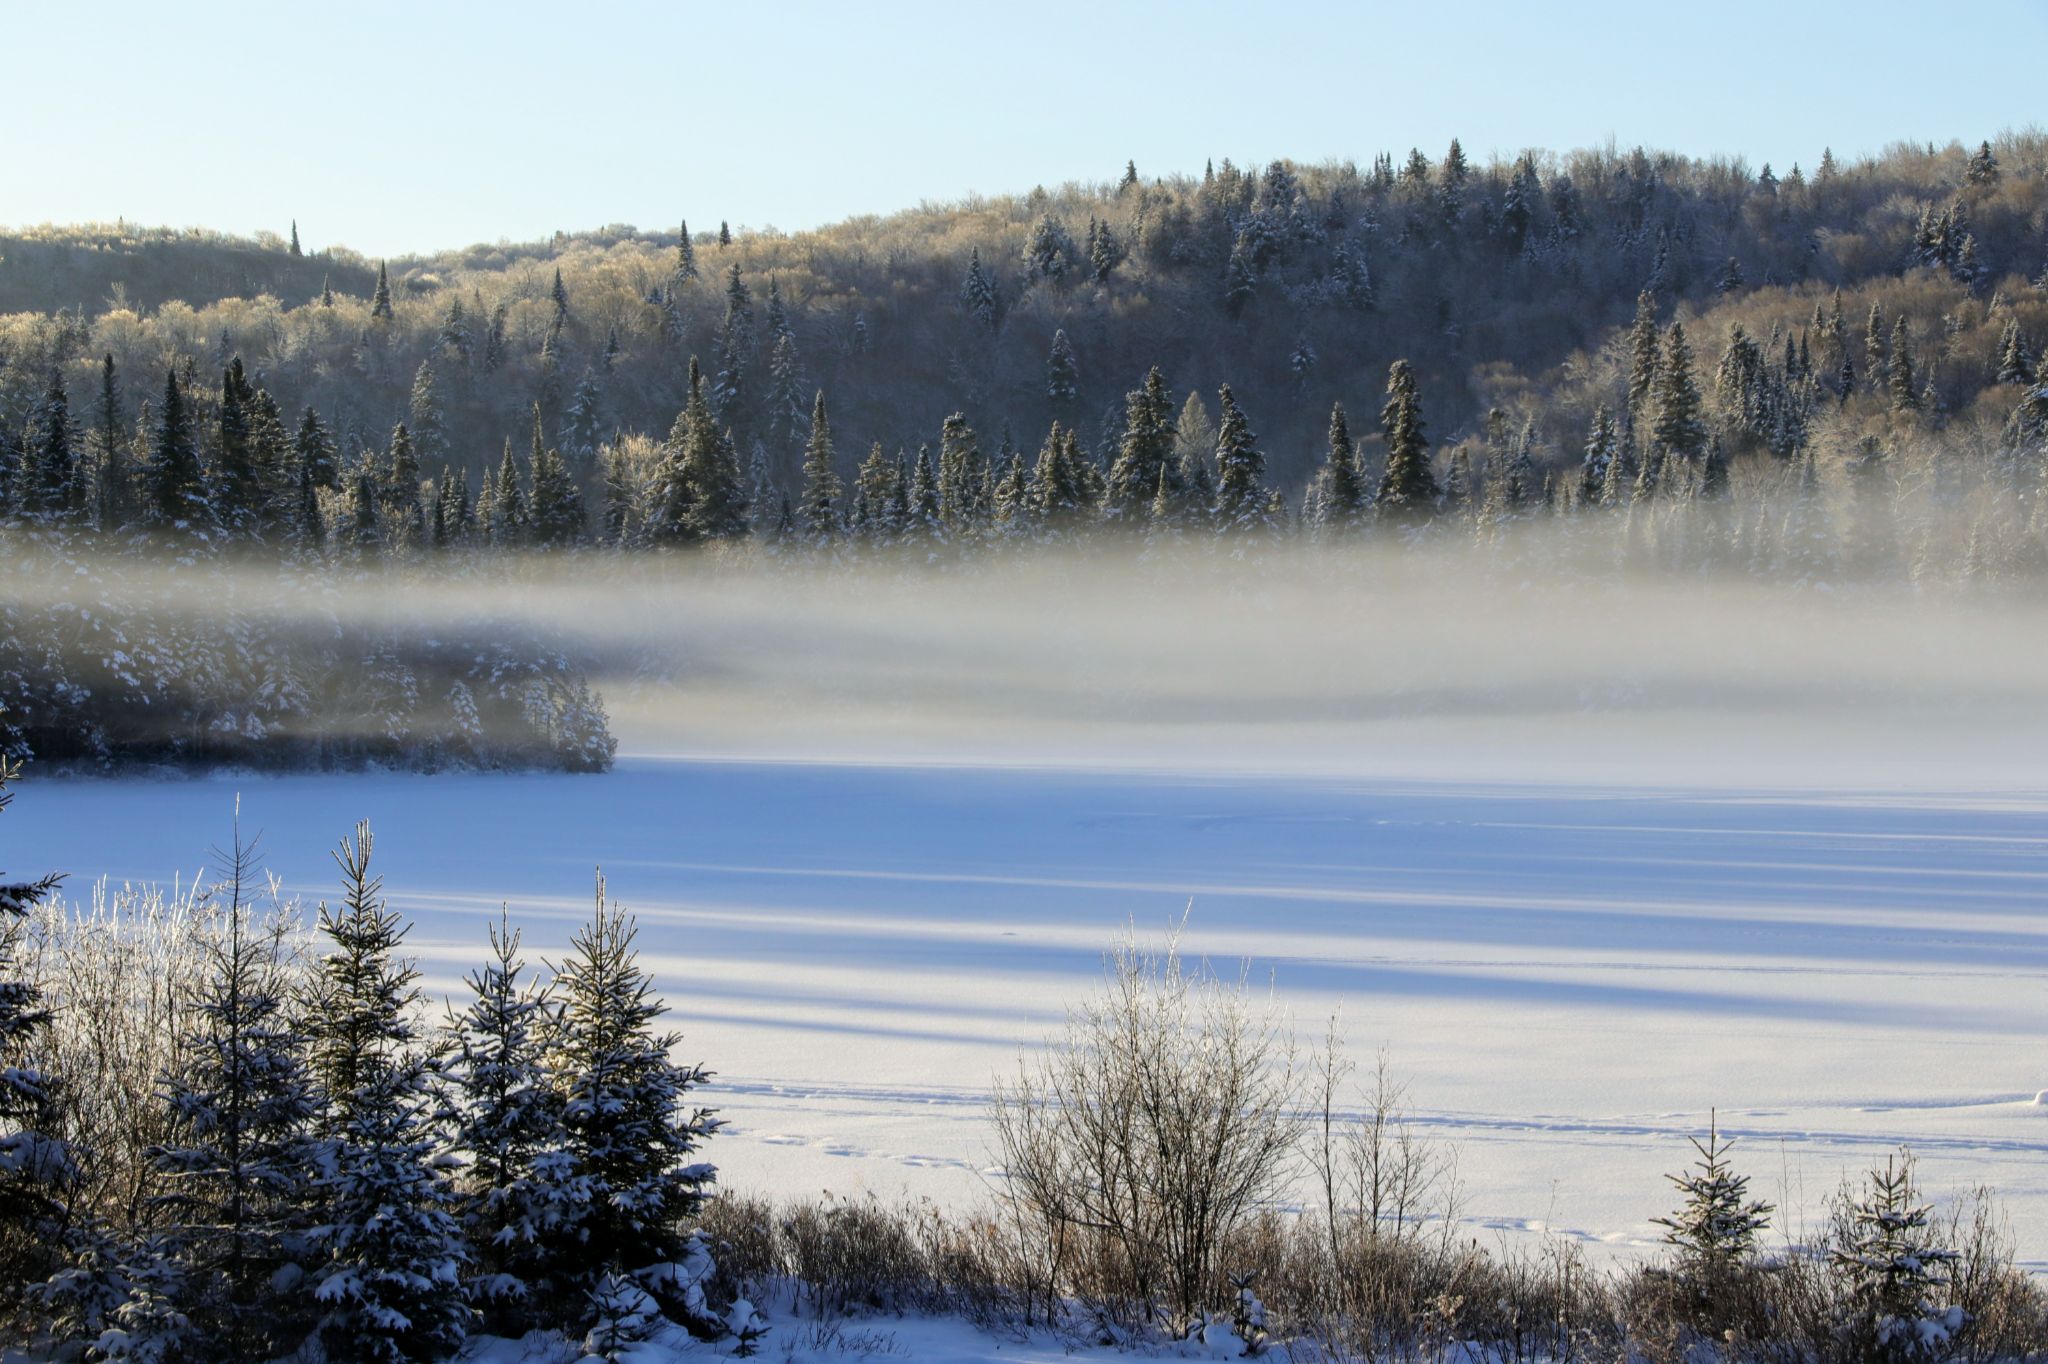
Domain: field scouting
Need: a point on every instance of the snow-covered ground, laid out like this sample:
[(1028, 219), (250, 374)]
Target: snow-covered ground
[(1568, 975)]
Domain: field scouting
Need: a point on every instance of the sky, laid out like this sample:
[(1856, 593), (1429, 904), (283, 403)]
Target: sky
[(393, 128)]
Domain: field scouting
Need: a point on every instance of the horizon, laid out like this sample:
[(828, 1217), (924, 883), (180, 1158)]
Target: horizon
[(829, 127)]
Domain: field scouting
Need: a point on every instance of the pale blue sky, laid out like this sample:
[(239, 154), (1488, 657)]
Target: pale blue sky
[(395, 127)]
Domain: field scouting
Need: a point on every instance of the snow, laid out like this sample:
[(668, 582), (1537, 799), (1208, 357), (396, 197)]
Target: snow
[(1568, 976)]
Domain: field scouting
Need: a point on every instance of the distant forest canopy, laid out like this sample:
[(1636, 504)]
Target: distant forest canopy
[(1510, 289)]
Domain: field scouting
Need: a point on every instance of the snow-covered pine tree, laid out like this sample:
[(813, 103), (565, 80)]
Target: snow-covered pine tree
[(1062, 374), (425, 419), (822, 489), (520, 1196), (1898, 1272), (1240, 470), (1408, 488), (240, 1154), (387, 1285), (1714, 1230), (633, 1133), (36, 1166)]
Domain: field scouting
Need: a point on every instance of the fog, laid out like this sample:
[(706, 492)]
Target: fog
[(1423, 662)]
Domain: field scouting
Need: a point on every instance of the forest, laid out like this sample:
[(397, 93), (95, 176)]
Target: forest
[(1808, 378)]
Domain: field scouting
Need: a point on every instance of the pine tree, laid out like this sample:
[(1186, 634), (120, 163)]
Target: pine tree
[(686, 257), (735, 347), (559, 296), (455, 336), (1145, 449), (978, 292), (1714, 1231), (1876, 363), (1408, 487), (555, 510), (1645, 356), (425, 420), (724, 234), (178, 499), (388, 1285), (1899, 376), (51, 485), (241, 1108), (295, 250), (238, 492), (923, 521), (878, 486), (380, 302), (964, 500), (822, 489), (366, 536), (520, 1198), (1600, 450), (113, 484), (37, 1167), (1048, 249), (2015, 357), (1982, 172), (631, 1132), (1062, 375), (508, 516), (582, 424), (1343, 486), (399, 497), (1679, 428), (1898, 1272), (1240, 469)]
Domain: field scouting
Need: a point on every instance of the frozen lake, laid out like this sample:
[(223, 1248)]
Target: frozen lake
[(1567, 976)]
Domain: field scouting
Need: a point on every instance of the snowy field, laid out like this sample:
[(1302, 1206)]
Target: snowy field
[(1568, 975)]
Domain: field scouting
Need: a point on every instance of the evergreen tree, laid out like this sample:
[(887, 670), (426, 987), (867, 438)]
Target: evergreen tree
[(241, 1108), (295, 251), (735, 347), (686, 257), (1408, 487), (1062, 375), (1048, 250), (366, 537), (1898, 1272), (1240, 469), (555, 510), (425, 420), (631, 1132), (388, 1285), (822, 489), (978, 292), (400, 494), (1343, 485), (508, 516), (1905, 397), (1145, 449), (1982, 172), (520, 1197), (2015, 357), (1679, 428), (964, 500), (51, 485), (1714, 1231), (37, 1167), (923, 521), (879, 486), (1876, 363), (239, 496), (178, 499), (582, 424), (380, 302), (1645, 356), (112, 486)]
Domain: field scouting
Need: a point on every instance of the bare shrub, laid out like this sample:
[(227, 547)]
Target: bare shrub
[(1136, 1143)]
